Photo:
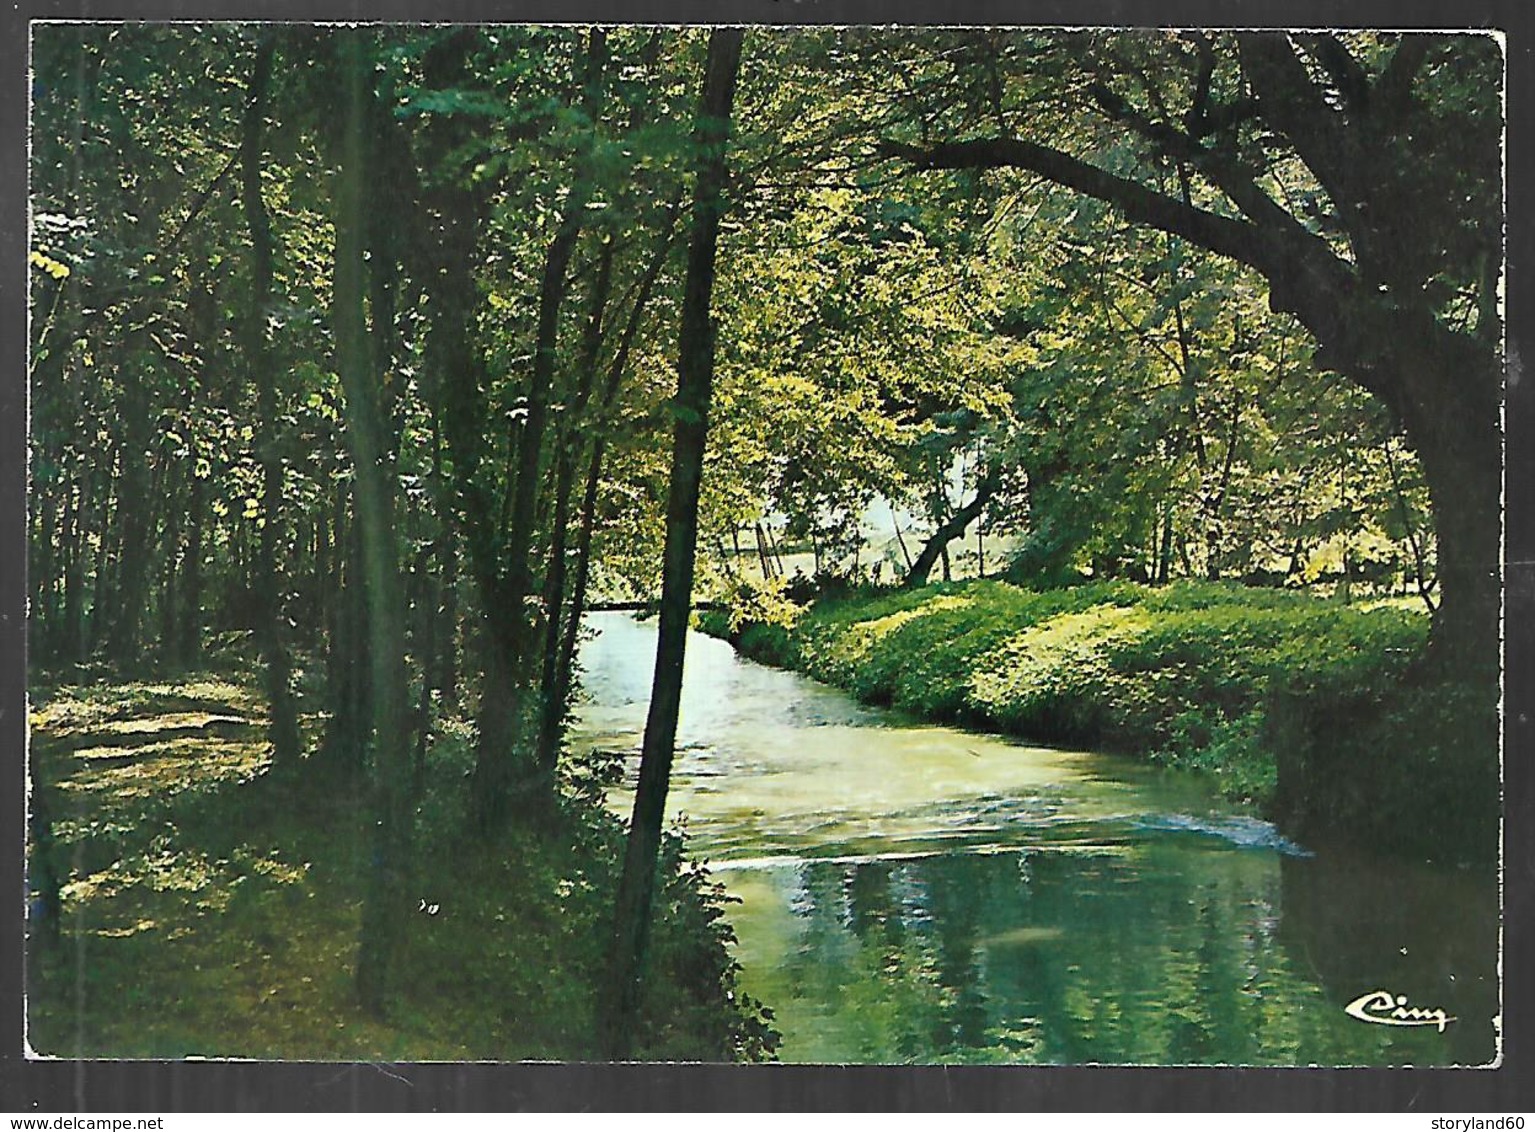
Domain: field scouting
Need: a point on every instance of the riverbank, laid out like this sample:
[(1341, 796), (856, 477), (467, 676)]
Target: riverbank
[(211, 906), (1316, 713)]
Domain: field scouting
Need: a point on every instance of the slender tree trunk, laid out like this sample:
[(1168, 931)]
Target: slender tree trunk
[(45, 555), (458, 369), (385, 905), (765, 563), (109, 523), (937, 547), (73, 615), (271, 614), (503, 744), (777, 549), (324, 574), (900, 539), (189, 641), (565, 667), (604, 411), (445, 679), (429, 601), (554, 685), (133, 519), (170, 598), (347, 683), (694, 387), (1165, 550), (583, 549), (551, 700)]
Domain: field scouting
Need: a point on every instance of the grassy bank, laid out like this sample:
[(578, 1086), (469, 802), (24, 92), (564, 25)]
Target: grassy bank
[(211, 906), (1237, 682)]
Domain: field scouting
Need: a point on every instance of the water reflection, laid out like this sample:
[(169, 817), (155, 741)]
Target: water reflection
[(915, 893), (1356, 924)]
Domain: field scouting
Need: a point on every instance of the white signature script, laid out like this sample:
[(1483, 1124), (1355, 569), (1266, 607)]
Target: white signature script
[(1387, 1009)]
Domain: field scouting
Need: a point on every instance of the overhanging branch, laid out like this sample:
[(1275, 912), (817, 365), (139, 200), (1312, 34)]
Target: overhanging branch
[(1238, 239)]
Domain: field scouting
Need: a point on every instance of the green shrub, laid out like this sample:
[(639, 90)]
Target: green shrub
[(1181, 674)]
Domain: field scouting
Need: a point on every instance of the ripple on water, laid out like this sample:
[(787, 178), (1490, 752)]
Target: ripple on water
[(1238, 830)]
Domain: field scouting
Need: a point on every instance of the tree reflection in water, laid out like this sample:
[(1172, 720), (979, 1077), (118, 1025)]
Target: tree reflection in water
[(1152, 953)]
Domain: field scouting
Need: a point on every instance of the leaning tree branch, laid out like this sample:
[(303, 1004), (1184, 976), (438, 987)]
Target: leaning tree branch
[(1220, 168), (1238, 239), (1305, 277)]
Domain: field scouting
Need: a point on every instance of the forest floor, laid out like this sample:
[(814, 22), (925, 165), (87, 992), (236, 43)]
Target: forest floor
[(208, 909), (211, 907)]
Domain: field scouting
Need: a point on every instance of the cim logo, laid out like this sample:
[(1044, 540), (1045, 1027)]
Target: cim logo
[(1386, 1009)]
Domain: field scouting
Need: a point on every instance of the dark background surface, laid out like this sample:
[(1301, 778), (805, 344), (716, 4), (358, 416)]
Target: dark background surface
[(107, 1087)]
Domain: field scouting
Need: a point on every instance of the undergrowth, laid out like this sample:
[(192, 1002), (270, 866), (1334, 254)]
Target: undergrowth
[(211, 906)]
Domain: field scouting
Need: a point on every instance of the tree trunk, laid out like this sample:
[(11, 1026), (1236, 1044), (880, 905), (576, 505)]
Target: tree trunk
[(170, 577), (271, 615), (937, 546), (109, 522), (133, 520), (695, 377), (565, 663), (385, 905), (346, 662), (425, 645), (777, 549), (572, 635), (73, 642), (506, 748), (900, 539), (445, 678), (1164, 563), (45, 553), (189, 641), (763, 561), (1459, 452)]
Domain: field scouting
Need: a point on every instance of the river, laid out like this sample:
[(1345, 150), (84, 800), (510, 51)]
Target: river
[(910, 893)]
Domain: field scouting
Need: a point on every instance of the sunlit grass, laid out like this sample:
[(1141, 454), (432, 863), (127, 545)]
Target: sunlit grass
[(149, 704), (193, 917), (878, 627), (212, 907)]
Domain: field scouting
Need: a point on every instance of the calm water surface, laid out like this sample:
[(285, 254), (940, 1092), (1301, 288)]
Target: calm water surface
[(912, 893)]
